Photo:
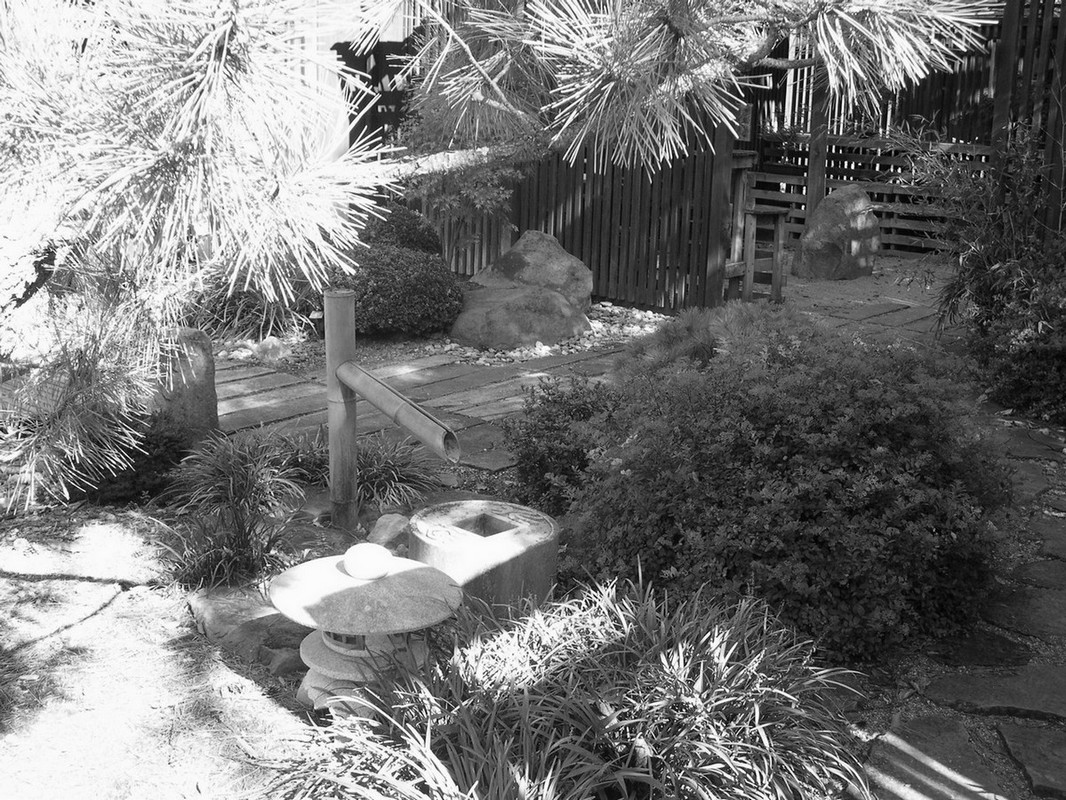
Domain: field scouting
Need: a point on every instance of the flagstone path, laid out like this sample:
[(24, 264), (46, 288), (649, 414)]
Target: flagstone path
[(997, 705)]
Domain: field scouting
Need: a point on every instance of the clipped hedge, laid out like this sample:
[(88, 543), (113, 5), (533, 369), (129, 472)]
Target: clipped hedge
[(403, 227), (400, 290), (837, 480)]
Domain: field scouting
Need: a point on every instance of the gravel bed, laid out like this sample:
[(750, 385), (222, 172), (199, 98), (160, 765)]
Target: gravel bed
[(612, 326)]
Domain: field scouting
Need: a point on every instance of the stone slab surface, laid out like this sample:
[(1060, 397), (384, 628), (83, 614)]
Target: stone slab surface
[(1030, 481), (244, 623), (1042, 754), (1056, 502), (490, 460), (1045, 574), (1029, 610), (981, 648), (1036, 691), (929, 758)]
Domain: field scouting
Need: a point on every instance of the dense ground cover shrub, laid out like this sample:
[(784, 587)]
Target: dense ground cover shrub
[(552, 438), (1009, 285), (613, 693), (837, 480)]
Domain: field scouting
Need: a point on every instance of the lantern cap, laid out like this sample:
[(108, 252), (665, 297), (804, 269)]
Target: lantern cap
[(406, 596)]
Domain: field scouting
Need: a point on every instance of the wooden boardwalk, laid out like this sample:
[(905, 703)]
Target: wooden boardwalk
[(466, 397), (471, 398)]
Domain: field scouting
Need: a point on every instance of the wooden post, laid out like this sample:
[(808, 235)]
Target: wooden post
[(818, 152), (718, 213), (1006, 66), (339, 306)]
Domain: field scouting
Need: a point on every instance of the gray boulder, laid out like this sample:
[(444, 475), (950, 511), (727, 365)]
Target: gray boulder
[(537, 259), (517, 316), (185, 404), (841, 238)]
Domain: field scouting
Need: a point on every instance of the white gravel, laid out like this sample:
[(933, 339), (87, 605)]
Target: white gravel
[(611, 326)]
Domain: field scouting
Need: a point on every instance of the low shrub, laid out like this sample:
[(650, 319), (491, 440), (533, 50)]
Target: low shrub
[(614, 693), (237, 494), (837, 480), (158, 453), (552, 438), (401, 291), (695, 336)]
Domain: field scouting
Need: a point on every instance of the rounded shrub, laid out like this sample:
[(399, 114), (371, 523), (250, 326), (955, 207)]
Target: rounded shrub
[(402, 227), (400, 290)]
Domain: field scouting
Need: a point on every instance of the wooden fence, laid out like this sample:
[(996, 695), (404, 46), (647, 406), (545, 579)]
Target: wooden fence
[(655, 239), (909, 218), (1030, 89)]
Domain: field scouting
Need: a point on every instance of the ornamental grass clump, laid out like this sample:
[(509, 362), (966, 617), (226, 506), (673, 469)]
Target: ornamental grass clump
[(614, 693), (236, 494)]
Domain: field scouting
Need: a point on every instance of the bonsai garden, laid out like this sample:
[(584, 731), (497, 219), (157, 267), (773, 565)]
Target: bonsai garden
[(561, 401)]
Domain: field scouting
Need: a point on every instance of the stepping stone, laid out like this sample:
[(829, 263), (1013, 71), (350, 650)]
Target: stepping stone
[(244, 623), (1042, 754), (1037, 691), (981, 648), (1046, 574), (1023, 443), (1053, 532), (1029, 481), (1056, 502), (1028, 610), (929, 758), (490, 460), (481, 437)]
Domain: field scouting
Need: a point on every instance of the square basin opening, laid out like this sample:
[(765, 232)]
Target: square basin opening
[(485, 524)]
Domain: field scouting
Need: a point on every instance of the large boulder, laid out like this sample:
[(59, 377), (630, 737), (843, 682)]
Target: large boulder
[(516, 316), (537, 259), (841, 237)]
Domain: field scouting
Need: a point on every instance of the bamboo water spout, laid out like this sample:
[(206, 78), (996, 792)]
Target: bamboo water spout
[(344, 381)]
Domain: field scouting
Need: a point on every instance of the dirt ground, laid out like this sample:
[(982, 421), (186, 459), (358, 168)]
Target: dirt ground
[(106, 691)]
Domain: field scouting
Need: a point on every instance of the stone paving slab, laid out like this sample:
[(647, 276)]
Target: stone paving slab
[(1028, 610), (1030, 480), (1044, 574), (981, 648), (1036, 691), (904, 316), (929, 758), (1041, 752)]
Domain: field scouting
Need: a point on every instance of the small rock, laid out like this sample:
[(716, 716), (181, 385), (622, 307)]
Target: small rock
[(388, 530)]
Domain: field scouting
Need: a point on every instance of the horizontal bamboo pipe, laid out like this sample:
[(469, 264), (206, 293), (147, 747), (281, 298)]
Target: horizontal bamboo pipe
[(408, 415)]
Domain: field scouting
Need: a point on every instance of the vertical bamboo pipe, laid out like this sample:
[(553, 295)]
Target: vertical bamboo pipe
[(339, 307)]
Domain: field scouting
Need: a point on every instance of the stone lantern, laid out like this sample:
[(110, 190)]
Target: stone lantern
[(369, 608)]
